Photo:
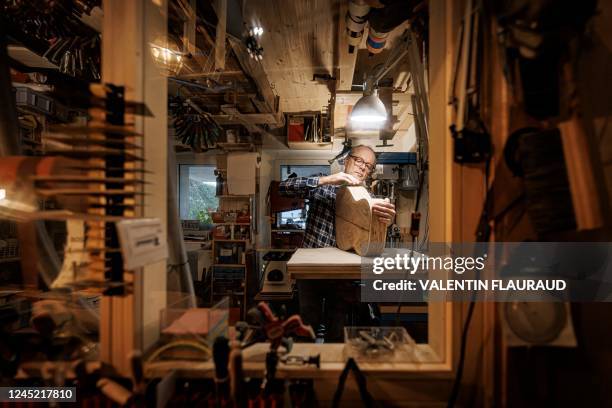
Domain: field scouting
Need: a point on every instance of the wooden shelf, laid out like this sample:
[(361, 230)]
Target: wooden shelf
[(231, 240), (310, 145), (6, 260), (232, 223), (233, 196), (235, 146), (289, 230)]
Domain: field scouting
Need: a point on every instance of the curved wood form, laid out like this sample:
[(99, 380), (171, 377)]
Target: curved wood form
[(356, 227)]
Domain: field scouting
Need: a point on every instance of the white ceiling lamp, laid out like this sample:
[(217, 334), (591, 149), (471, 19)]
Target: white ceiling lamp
[(369, 112)]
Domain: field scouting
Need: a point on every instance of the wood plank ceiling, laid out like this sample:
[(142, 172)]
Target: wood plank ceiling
[(306, 37), (299, 41)]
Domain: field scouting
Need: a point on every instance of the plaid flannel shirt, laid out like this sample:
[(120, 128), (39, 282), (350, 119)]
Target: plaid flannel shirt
[(321, 222)]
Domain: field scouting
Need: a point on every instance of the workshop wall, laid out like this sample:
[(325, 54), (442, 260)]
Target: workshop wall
[(579, 376), (548, 375), (594, 69)]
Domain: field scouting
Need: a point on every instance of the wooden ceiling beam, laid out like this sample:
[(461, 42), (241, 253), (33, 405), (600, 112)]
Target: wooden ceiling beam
[(221, 10), (234, 117), (269, 100), (249, 121), (211, 74), (189, 34)]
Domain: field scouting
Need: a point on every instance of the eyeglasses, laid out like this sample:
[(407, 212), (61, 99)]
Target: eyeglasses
[(362, 163)]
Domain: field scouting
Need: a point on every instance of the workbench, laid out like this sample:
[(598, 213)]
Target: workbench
[(324, 263), (332, 363)]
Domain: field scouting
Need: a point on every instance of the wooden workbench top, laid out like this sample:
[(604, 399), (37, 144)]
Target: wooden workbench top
[(324, 263), (332, 363)]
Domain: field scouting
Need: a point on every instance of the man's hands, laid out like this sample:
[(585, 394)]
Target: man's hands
[(384, 210), (339, 179)]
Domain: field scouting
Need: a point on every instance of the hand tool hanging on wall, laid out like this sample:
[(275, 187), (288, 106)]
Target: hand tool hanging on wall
[(346, 149), (54, 30), (472, 142), (193, 127), (76, 56)]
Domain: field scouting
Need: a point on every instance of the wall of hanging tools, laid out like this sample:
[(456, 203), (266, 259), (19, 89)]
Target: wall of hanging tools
[(59, 34)]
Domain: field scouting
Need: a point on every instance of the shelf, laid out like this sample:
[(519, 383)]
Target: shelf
[(233, 196), (14, 259), (310, 145), (232, 223), (288, 230), (235, 146), (231, 265)]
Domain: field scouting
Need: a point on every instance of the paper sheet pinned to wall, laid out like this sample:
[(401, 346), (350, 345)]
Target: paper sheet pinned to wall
[(242, 172)]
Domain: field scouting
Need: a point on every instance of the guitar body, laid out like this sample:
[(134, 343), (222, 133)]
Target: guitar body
[(356, 227)]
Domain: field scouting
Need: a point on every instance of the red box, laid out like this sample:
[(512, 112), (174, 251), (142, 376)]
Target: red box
[(295, 129), (221, 232), (243, 219), (217, 217)]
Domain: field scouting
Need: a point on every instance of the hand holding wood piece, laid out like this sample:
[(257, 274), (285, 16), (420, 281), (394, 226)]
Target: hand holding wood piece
[(357, 226)]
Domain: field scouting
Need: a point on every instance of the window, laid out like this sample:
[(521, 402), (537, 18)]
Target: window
[(304, 170), (197, 192), (298, 217)]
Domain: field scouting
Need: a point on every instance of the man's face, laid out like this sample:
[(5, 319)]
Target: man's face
[(360, 162)]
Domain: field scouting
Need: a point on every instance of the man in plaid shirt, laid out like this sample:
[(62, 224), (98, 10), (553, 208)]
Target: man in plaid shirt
[(321, 194), (321, 232)]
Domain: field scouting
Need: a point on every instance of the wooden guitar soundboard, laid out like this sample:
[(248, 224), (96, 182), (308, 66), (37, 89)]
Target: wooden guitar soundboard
[(356, 227)]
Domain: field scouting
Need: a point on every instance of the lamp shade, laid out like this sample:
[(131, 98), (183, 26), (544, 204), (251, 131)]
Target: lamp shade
[(369, 112)]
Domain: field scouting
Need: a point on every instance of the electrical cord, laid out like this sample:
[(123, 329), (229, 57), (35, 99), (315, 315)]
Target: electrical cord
[(457, 383)]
